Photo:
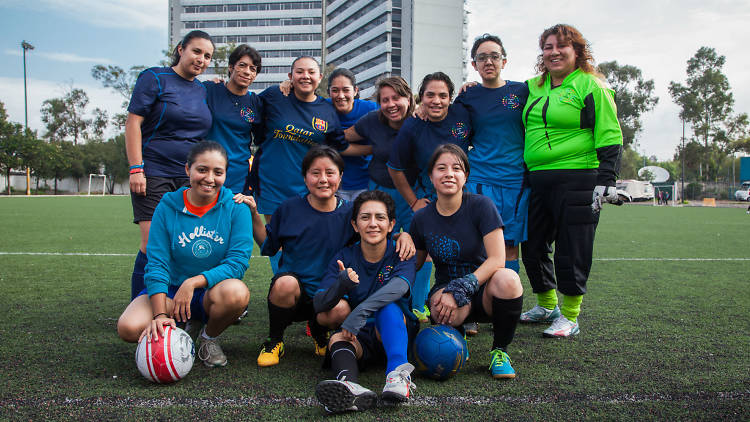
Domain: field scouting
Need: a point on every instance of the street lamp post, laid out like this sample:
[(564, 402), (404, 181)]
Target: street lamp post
[(26, 46), (682, 178)]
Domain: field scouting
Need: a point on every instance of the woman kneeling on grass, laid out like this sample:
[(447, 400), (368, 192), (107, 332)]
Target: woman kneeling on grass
[(198, 250), (463, 234), (309, 229), (367, 287)]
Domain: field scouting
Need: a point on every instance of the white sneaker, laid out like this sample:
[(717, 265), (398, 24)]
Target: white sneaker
[(211, 354), (398, 384), (341, 396), (540, 314), (561, 327)]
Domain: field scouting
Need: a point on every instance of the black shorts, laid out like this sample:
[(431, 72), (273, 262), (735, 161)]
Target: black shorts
[(304, 311), (156, 187), (477, 313)]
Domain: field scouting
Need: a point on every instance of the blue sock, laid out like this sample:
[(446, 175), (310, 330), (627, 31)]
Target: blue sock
[(421, 287), (389, 321), (513, 265), (275, 262), (136, 280)]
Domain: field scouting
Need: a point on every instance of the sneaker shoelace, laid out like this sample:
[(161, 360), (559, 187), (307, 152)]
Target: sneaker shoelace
[(208, 348), (498, 357), (269, 345), (559, 323), (406, 378)]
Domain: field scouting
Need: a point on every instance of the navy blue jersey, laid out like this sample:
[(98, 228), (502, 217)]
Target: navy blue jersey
[(372, 275), (497, 154), (309, 238), (355, 167), (417, 140), (175, 117), (233, 119), (381, 137), (291, 128), (455, 242)]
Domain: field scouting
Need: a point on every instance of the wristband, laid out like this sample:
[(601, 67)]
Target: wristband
[(136, 170), (412, 204), (137, 166), (160, 313)]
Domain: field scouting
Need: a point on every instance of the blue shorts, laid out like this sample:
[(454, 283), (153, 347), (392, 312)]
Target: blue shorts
[(196, 305), (512, 205), (404, 214)]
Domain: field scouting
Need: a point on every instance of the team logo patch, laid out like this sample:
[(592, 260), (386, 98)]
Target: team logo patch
[(568, 96), (511, 101), (383, 274), (247, 114), (319, 124), (201, 248), (458, 131)]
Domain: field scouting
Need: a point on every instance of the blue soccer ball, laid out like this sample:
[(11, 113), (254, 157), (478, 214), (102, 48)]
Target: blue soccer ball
[(439, 352)]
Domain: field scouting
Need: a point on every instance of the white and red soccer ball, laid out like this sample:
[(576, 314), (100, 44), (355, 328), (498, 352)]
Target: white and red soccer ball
[(165, 359)]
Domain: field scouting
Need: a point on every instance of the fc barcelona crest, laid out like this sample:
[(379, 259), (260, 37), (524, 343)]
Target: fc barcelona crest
[(319, 124)]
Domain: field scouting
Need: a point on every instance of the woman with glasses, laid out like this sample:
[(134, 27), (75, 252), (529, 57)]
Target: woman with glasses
[(235, 112)]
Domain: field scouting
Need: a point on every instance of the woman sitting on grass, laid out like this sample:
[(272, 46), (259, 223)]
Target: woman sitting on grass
[(365, 292), (198, 250), (463, 233)]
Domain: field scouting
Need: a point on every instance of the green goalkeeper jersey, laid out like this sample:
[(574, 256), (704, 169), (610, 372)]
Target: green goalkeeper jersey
[(566, 125)]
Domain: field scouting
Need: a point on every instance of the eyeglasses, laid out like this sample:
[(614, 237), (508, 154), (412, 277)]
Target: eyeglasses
[(245, 66), (481, 58)]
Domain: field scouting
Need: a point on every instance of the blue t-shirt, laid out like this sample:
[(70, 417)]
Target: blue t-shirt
[(175, 117), (497, 154), (417, 140), (233, 119), (372, 275), (291, 128), (355, 167), (309, 238), (381, 137), (455, 242)]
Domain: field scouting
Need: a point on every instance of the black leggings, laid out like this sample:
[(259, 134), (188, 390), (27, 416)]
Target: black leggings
[(560, 213)]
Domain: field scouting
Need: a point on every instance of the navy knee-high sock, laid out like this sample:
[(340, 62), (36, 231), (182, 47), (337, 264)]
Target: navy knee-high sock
[(505, 314), (139, 269), (389, 321), (344, 361)]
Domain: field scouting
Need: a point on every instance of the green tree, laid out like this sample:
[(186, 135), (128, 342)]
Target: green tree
[(15, 145), (633, 96), (707, 104), (66, 118)]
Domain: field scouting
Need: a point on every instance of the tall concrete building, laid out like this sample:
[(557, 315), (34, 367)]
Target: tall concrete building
[(373, 38)]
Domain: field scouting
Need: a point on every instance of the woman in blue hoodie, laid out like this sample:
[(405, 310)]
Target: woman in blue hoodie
[(198, 251)]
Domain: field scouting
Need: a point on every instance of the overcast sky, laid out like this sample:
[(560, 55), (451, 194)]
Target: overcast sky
[(657, 36)]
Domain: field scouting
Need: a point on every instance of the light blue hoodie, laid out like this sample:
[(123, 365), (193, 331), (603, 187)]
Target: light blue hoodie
[(182, 245)]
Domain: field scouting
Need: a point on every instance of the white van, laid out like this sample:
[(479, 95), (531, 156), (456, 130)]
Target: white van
[(635, 190)]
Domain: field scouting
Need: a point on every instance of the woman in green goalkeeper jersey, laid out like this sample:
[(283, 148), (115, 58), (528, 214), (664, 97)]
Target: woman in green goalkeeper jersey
[(572, 149)]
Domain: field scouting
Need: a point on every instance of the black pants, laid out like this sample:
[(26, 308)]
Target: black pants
[(560, 213)]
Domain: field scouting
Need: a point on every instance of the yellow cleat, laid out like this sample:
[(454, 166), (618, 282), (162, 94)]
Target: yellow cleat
[(319, 350), (271, 353)]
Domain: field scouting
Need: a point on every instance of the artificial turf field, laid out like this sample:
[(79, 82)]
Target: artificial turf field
[(665, 331)]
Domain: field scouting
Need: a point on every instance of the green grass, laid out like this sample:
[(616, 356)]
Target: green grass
[(660, 339)]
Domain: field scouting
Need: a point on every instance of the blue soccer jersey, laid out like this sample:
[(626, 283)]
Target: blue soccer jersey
[(355, 167), (372, 275), (455, 242), (291, 128), (309, 238), (497, 154), (175, 117), (233, 120), (417, 140), (381, 137)]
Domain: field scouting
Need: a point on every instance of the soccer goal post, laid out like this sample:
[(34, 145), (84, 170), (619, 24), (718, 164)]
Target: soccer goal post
[(666, 195), (98, 176)]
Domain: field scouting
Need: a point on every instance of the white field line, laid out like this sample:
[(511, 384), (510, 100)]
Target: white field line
[(616, 398), (257, 257)]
